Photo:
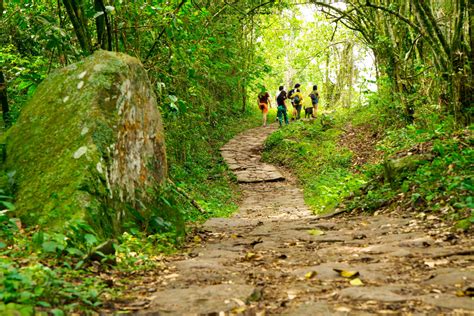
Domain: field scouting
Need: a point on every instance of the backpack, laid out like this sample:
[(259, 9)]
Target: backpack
[(296, 99), (291, 92)]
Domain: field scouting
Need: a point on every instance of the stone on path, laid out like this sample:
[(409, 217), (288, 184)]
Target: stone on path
[(381, 294), (200, 300), (240, 155)]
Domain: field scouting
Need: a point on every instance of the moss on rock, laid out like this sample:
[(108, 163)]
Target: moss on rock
[(88, 145)]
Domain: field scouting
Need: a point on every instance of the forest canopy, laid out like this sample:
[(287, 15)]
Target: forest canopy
[(194, 48)]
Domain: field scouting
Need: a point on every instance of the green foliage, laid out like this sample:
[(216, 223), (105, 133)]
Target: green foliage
[(442, 184), (52, 272), (319, 163), (8, 228), (200, 76), (36, 286), (139, 251), (24, 73), (197, 167), (304, 47)]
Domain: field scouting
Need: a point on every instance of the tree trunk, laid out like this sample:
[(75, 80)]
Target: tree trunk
[(244, 96), (75, 12), (100, 24), (62, 55), (4, 100), (3, 86)]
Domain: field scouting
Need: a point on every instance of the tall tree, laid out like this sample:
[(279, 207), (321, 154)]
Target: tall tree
[(3, 85), (398, 31), (75, 11)]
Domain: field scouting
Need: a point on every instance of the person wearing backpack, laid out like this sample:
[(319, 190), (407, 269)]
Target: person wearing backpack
[(290, 94), (314, 95), (297, 98), (263, 101), (282, 96)]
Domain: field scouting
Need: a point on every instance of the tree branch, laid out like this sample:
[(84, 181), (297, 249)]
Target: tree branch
[(187, 196), (398, 15), (163, 31), (259, 6)]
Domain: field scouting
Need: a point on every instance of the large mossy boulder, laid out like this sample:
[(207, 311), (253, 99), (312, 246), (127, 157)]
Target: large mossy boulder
[(89, 145)]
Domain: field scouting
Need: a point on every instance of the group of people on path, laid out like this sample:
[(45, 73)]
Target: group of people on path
[(296, 98)]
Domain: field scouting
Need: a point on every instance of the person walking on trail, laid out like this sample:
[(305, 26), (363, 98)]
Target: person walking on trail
[(290, 93), (263, 101), (314, 95), (297, 98), (282, 113)]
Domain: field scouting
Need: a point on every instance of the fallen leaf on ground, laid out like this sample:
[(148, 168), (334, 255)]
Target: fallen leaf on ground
[(347, 274), (239, 310), (356, 282), (469, 291), (310, 274), (238, 301), (256, 295), (171, 276), (253, 256), (315, 232), (250, 255)]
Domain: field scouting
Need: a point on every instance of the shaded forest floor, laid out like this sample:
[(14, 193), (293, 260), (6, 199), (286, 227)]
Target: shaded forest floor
[(275, 257)]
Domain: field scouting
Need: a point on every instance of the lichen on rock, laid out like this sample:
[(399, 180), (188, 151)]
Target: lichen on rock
[(89, 140)]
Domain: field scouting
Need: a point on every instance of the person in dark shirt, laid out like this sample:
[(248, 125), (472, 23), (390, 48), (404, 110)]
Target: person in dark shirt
[(282, 111), (263, 101)]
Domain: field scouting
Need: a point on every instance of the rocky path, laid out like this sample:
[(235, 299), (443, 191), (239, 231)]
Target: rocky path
[(275, 257)]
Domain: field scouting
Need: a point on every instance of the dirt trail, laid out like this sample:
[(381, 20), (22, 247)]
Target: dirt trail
[(275, 257)]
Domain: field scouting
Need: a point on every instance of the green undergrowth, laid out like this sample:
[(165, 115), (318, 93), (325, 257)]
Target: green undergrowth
[(75, 270), (197, 167), (60, 273), (310, 149), (440, 183), (435, 155), (69, 269)]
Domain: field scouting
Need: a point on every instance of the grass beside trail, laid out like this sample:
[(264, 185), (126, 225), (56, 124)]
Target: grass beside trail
[(440, 181)]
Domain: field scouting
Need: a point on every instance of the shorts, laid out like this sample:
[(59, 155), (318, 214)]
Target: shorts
[(263, 107)]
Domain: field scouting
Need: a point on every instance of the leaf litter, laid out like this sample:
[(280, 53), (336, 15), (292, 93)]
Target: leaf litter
[(291, 268)]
